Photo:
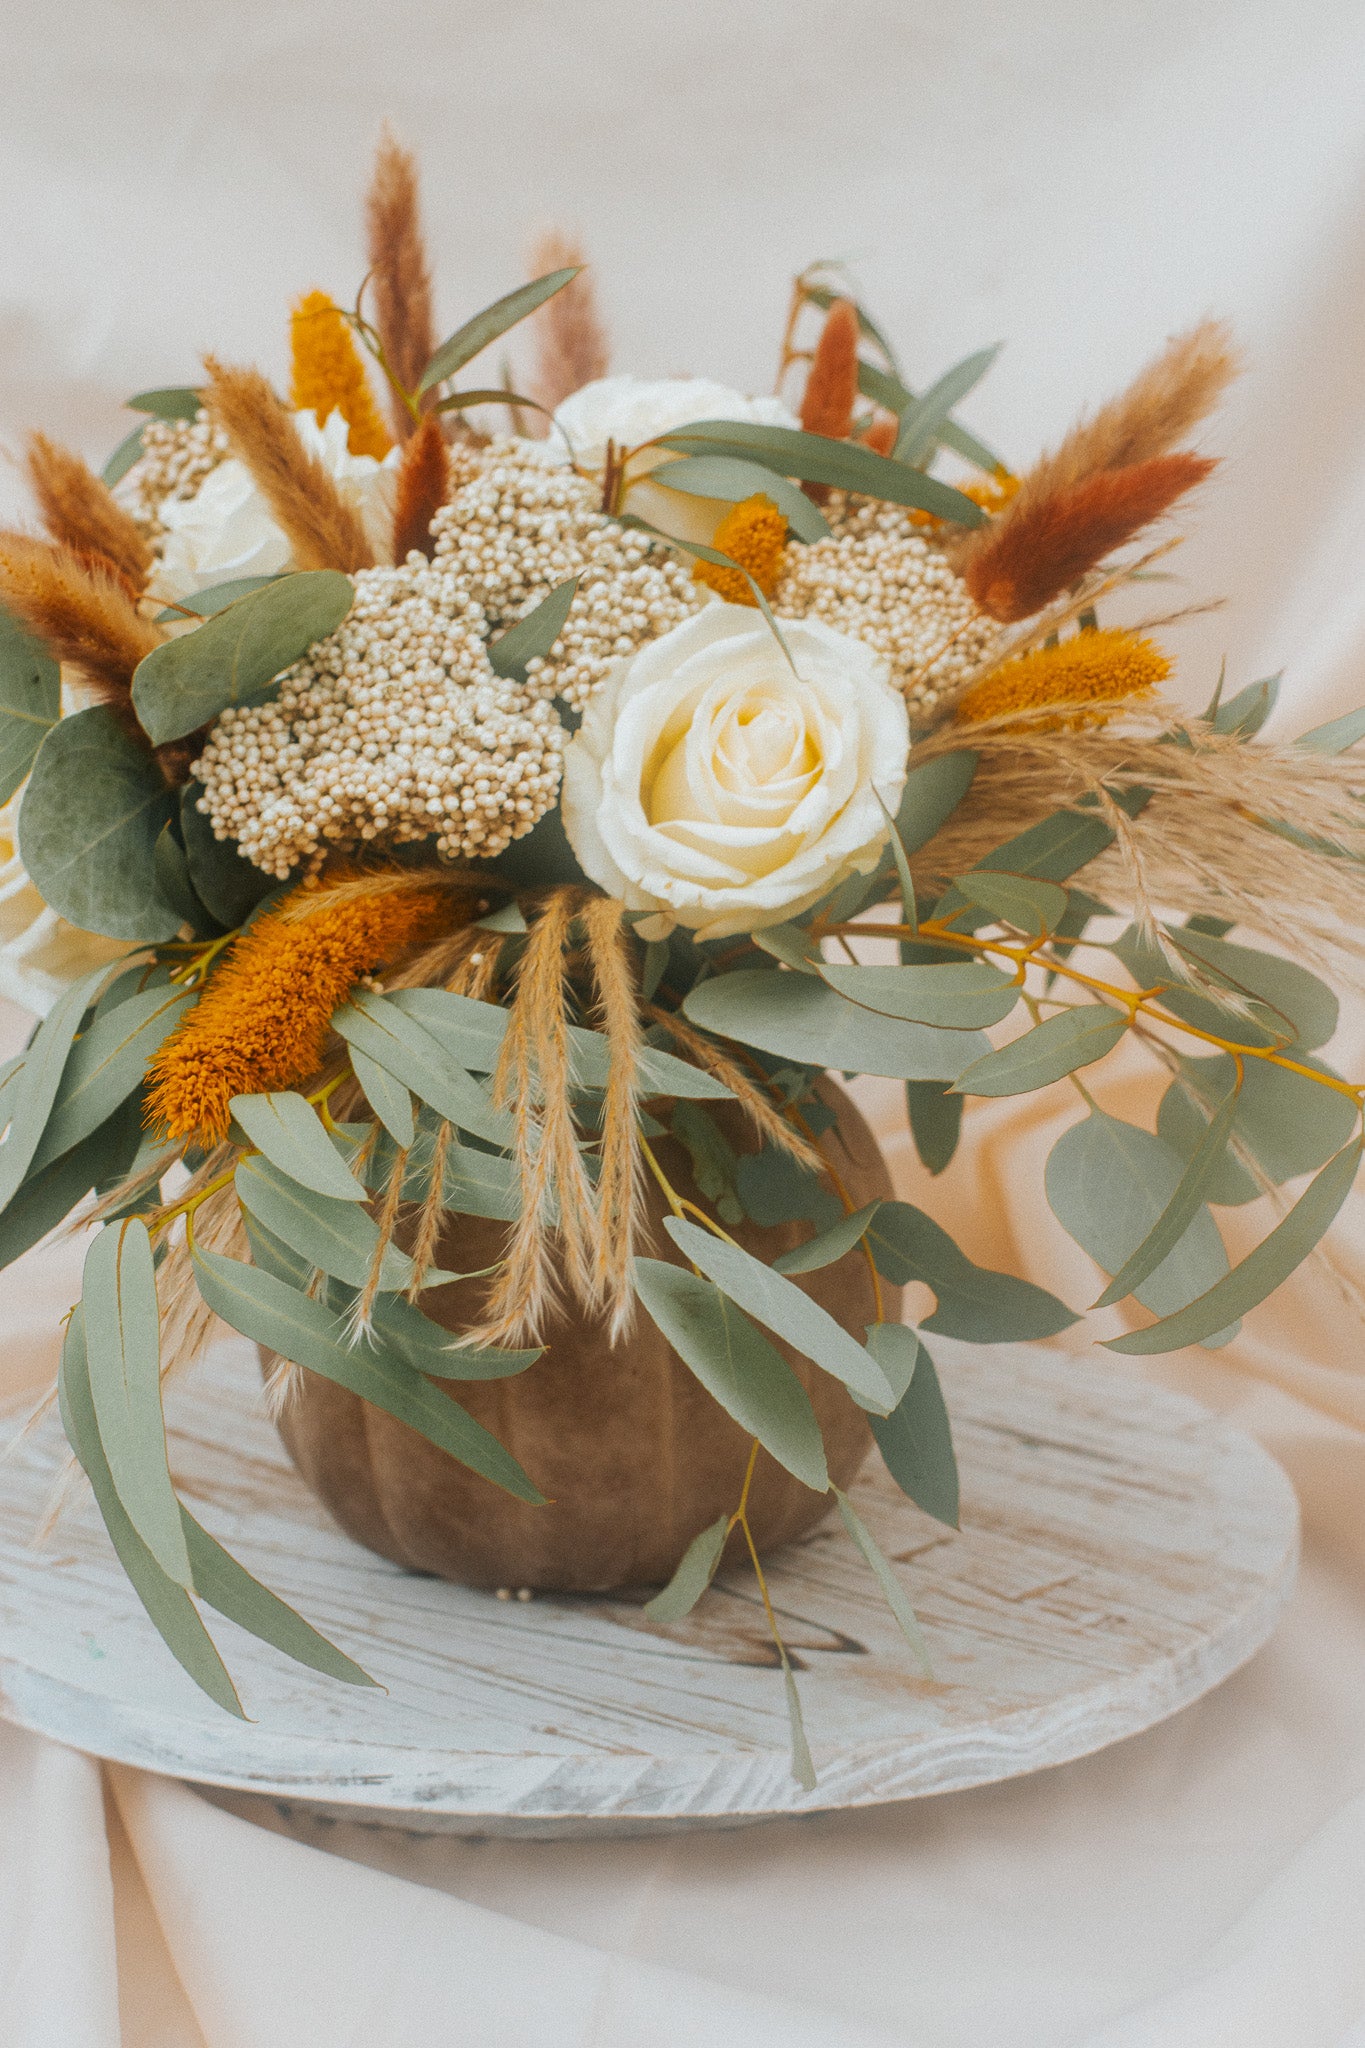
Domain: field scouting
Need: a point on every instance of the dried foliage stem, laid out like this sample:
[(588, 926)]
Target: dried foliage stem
[(323, 530), (423, 485), (400, 273), (82, 514), (762, 1113), (618, 1187), (84, 614)]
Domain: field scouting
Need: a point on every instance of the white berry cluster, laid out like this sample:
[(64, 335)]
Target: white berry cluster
[(176, 457), (393, 728), (526, 523), (881, 579)]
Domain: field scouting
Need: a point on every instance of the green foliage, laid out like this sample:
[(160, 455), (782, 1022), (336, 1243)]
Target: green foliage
[(230, 1588), (731, 478), (106, 1065), (736, 1364), (51, 1193), (173, 881), (1185, 1204), (786, 1310), (1336, 736), (774, 1188), (712, 1156), (171, 402), (916, 1443), (1243, 715), (696, 1569), (897, 1350), (960, 995), (388, 1098), (892, 1590), (931, 795), (34, 1086), (392, 1037), (1289, 1123), (401, 1327), (1057, 1047), (128, 452), (204, 603), (533, 636), (88, 828), (813, 458), (827, 1245), (236, 656), (805, 1020), (1027, 902), (896, 396), (974, 1303), (489, 325), (339, 1238), (935, 1112), (290, 1134), (30, 701), (1109, 1184), (226, 883), (922, 420)]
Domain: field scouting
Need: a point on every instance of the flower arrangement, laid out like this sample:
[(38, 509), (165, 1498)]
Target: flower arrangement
[(455, 814)]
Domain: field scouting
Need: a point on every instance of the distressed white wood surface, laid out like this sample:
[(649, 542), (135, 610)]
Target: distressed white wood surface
[(1122, 1551)]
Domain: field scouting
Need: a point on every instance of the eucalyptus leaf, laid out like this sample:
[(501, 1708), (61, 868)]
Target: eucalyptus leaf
[(892, 1590), (128, 452), (88, 827), (290, 1134), (1336, 735), (30, 1098), (696, 1569), (805, 1020), (1181, 1122), (1261, 1271), (123, 1350), (489, 325), (1026, 901), (916, 1443), (533, 636), (922, 420), (174, 885), (1185, 1204), (508, 918), (958, 996), (106, 1064), (894, 396), (388, 1098), (935, 1114), (897, 1350), (204, 604), (731, 478), (774, 1188), (784, 1309), (712, 1157), (790, 944), (51, 1192), (975, 1303), (170, 402), (1109, 1183), (227, 884), (394, 1039), (736, 1364), (1303, 1006), (931, 794), (1243, 715), (1051, 1050), (339, 1238), (230, 1587), (827, 1245), (169, 1606), (30, 701), (279, 1317), (1290, 1123), (237, 654), (814, 458), (401, 1327)]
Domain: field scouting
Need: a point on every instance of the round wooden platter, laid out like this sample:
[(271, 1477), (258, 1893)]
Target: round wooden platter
[(1121, 1552)]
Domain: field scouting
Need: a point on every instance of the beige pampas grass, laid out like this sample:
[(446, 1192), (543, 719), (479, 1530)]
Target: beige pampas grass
[(82, 514), (323, 531), (572, 346), (399, 273), (767, 1120), (619, 1181), (84, 615)]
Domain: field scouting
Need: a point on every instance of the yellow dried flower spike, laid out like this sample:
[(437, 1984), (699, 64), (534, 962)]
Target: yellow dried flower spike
[(262, 1021), (328, 376), (1099, 670), (754, 534)]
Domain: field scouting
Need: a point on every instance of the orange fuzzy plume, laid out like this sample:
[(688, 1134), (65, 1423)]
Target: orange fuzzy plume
[(754, 534), (832, 385), (328, 376), (262, 1022), (1039, 550), (1091, 669)]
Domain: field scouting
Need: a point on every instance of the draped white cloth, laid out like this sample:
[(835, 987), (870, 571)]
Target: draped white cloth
[(1082, 181)]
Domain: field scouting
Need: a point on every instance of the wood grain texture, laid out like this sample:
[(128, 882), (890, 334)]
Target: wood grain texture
[(1122, 1551)]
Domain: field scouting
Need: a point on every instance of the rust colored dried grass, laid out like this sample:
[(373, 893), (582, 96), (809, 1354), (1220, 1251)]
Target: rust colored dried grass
[(323, 531), (82, 514), (1027, 557), (571, 341), (423, 486), (400, 274), (83, 614), (831, 390)]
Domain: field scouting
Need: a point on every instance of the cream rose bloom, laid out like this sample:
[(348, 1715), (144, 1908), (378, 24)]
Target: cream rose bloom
[(711, 786), (632, 411), (225, 530)]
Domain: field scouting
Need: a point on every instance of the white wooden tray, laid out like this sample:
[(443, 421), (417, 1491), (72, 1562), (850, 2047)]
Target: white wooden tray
[(1122, 1551)]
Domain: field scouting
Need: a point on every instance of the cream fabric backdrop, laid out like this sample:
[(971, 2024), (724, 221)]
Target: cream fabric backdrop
[(1081, 180)]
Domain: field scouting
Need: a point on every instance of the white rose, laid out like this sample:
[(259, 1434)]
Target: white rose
[(634, 411), (225, 530), (712, 786)]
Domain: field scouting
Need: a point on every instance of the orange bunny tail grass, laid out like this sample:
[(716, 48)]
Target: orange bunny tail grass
[(262, 1021), (882, 436), (328, 376), (754, 534), (82, 514), (423, 486), (1034, 551), (832, 385), (572, 341), (1098, 670), (400, 273), (83, 614), (323, 531)]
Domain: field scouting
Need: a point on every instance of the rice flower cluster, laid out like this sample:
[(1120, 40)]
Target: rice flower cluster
[(176, 457), (523, 524), (882, 579), (394, 728), (1093, 669), (262, 1022)]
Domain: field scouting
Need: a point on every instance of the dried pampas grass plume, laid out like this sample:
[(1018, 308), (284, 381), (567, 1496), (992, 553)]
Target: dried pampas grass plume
[(323, 531), (572, 346), (82, 514), (423, 486), (1022, 560), (399, 272), (83, 614), (832, 383)]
